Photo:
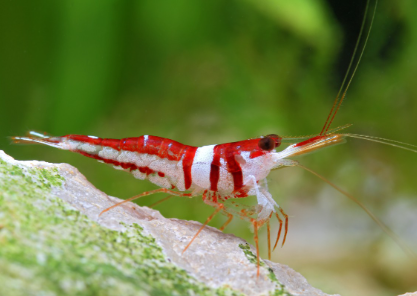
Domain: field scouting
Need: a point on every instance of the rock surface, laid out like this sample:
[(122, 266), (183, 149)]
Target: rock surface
[(110, 253)]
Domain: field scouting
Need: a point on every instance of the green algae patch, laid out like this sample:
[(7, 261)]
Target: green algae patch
[(280, 288), (48, 248)]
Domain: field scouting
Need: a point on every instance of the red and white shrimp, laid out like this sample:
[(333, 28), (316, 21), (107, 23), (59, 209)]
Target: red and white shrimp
[(217, 172)]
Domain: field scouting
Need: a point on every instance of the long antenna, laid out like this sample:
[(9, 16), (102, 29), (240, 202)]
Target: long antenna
[(342, 90), (384, 228)]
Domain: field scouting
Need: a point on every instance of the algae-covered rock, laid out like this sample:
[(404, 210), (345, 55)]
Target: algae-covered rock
[(52, 242)]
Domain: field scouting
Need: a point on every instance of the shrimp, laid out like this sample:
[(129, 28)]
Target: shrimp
[(219, 172)]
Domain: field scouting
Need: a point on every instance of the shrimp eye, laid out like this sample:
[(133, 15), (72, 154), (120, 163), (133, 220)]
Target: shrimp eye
[(269, 142), (266, 143)]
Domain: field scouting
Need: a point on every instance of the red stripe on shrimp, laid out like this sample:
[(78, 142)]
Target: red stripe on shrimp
[(233, 150), (311, 140), (125, 165), (153, 145), (85, 139), (215, 168), (227, 152), (187, 163), (127, 144)]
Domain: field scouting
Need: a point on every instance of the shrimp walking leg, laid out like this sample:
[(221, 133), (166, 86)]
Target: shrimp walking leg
[(160, 201), (279, 230), (218, 208), (268, 230), (160, 190), (286, 226), (255, 228), (229, 219)]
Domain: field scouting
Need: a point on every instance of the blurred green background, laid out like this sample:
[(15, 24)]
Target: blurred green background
[(204, 72)]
